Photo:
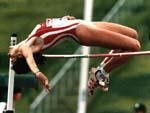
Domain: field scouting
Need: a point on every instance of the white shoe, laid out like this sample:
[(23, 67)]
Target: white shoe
[(103, 80), (96, 79)]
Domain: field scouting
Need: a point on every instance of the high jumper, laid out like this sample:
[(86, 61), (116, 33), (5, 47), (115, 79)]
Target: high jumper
[(27, 55)]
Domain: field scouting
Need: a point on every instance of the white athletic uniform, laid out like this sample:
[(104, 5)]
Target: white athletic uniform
[(54, 30)]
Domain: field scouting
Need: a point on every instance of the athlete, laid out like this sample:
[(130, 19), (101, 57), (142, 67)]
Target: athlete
[(27, 55)]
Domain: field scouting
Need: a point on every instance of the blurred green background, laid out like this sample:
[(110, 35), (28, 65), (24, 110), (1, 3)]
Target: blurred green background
[(129, 84)]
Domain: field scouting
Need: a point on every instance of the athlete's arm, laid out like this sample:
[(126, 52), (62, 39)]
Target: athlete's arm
[(27, 53)]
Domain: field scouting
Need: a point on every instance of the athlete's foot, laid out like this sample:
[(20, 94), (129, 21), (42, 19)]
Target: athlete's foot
[(103, 80), (92, 82), (97, 79)]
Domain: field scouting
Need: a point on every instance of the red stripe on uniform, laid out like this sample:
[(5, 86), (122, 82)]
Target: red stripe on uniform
[(42, 30)]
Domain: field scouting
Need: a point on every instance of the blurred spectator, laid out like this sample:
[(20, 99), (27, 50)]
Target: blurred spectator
[(17, 94), (139, 108), (3, 94)]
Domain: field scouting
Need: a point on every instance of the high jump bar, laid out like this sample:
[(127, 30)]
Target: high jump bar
[(139, 53)]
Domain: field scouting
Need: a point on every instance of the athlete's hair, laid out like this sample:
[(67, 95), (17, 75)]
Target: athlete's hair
[(20, 66)]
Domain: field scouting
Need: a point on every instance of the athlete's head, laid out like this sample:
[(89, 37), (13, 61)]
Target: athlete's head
[(20, 66), (139, 108)]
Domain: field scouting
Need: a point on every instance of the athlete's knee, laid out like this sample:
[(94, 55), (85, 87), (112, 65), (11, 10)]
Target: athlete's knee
[(136, 46), (139, 45), (134, 34)]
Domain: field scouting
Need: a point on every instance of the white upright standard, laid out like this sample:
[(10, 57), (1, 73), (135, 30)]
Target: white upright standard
[(11, 80), (82, 99)]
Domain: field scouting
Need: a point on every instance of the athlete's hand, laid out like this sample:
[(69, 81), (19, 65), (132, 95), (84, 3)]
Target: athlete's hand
[(43, 81), (69, 17)]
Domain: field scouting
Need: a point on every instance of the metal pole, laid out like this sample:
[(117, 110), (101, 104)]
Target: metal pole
[(82, 98), (11, 80)]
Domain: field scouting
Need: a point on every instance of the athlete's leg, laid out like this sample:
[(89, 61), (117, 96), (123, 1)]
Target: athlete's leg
[(106, 38), (106, 59), (90, 35), (107, 62), (117, 28), (109, 39)]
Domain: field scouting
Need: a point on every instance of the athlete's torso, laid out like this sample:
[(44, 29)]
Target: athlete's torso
[(54, 30)]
